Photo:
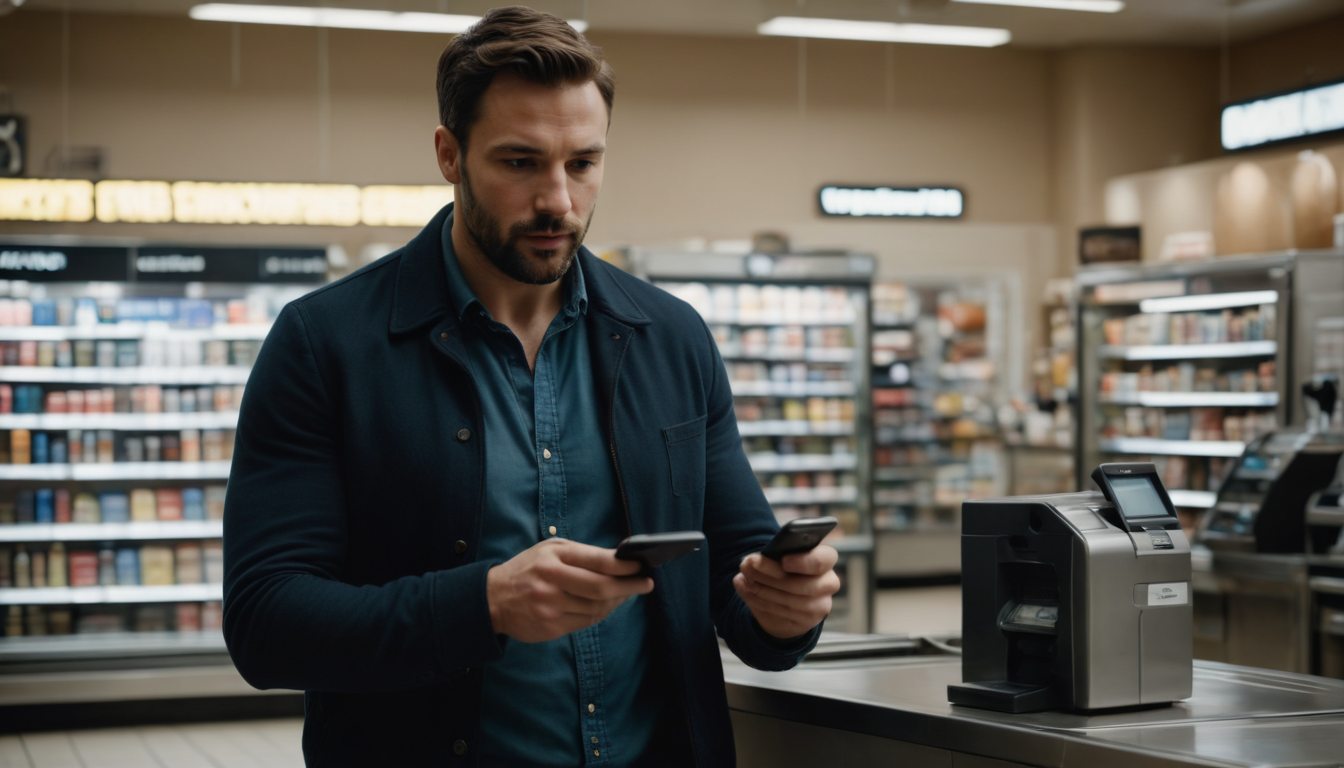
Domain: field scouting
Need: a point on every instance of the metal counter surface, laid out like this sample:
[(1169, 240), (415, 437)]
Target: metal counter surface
[(1238, 716)]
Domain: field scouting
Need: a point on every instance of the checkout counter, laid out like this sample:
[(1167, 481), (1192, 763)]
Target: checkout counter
[(1076, 651)]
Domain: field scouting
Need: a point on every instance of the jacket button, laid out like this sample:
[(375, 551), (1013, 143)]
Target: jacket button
[(463, 435), (459, 747), (443, 335), (460, 547)]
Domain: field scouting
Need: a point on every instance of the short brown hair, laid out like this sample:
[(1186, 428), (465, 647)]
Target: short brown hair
[(539, 47)]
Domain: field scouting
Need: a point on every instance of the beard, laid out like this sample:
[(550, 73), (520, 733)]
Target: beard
[(500, 245)]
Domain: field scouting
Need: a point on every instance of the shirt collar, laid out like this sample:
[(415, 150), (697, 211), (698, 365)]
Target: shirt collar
[(575, 292)]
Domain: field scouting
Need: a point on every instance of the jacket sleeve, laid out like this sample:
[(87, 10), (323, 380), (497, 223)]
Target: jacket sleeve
[(289, 620), (738, 521)]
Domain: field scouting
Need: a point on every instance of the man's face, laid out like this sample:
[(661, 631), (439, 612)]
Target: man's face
[(530, 177)]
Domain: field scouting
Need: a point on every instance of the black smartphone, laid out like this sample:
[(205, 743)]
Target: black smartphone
[(654, 549), (800, 534)]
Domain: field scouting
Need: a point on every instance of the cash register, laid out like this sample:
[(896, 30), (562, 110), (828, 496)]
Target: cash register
[(1076, 601)]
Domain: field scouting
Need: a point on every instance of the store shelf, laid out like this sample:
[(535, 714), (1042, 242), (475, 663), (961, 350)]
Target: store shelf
[(140, 531), (809, 355), (1196, 399), (133, 330), (201, 374), (1192, 499), (802, 462), (844, 494), (131, 422), (802, 428), (1190, 351), (171, 593), (899, 474), (138, 470), (792, 388), (775, 319), (1151, 445)]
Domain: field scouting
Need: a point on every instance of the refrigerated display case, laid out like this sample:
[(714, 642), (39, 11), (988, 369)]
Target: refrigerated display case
[(1185, 363), (793, 333), (122, 367), (936, 369)]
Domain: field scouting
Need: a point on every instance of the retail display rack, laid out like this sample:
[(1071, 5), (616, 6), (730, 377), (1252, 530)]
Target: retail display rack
[(121, 370), (1185, 363), (936, 370), (793, 333)]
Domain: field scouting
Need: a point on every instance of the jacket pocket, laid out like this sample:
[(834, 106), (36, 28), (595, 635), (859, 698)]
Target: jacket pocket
[(686, 455)]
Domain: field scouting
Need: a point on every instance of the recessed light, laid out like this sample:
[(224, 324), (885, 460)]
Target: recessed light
[(1095, 6), (884, 31), (342, 18)]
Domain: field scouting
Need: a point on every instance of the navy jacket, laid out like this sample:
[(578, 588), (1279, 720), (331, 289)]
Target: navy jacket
[(354, 509)]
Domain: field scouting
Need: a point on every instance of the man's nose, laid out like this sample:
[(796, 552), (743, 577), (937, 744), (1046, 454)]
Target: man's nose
[(552, 197)]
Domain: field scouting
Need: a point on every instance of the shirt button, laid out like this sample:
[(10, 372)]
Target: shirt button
[(463, 435), (546, 453), (460, 547), (596, 753), (594, 739), (591, 709), (552, 530), (459, 747)]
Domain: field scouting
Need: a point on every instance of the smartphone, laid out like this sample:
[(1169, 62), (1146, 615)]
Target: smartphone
[(800, 534), (654, 549)]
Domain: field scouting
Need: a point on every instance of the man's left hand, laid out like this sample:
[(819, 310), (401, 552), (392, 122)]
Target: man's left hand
[(791, 596)]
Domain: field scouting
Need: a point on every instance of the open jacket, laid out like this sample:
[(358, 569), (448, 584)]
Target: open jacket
[(354, 509)]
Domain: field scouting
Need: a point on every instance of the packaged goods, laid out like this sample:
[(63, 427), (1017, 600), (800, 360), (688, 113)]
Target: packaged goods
[(56, 566), (169, 503), (188, 617), (87, 509), (84, 569), (193, 504), (107, 566), (213, 555), (156, 566), (44, 506), (115, 507), (128, 566), (189, 563), (143, 508)]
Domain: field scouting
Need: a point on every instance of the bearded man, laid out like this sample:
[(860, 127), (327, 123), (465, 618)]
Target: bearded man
[(437, 455)]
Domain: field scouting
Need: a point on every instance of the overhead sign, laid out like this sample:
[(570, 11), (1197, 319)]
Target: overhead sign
[(187, 264), (892, 202), (200, 202), (49, 263), (1285, 117)]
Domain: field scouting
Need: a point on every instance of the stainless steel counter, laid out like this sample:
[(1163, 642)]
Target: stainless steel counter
[(880, 711)]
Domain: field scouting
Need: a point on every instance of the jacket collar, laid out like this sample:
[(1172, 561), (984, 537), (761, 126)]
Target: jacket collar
[(421, 294)]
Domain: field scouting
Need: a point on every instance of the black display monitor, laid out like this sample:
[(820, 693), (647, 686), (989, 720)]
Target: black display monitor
[(1136, 491)]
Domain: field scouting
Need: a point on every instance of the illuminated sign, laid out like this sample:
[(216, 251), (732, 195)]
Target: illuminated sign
[(198, 202), (1288, 116), (68, 263), (891, 202), (181, 264), (46, 200)]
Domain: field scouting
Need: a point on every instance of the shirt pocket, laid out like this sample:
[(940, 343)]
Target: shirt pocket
[(686, 455)]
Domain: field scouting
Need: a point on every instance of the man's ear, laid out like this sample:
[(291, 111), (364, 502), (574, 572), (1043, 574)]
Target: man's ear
[(449, 154)]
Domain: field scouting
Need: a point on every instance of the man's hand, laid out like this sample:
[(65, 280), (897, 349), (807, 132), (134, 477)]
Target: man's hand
[(791, 596), (558, 586)]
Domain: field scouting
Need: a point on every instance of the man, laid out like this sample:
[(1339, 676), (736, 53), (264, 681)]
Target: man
[(437, 455)]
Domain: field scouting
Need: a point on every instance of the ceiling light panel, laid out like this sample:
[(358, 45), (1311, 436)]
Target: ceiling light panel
[(341, 18), (1095, 6), (884, 32)]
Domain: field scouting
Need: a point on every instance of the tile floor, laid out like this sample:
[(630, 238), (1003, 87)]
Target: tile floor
[(275, 743)]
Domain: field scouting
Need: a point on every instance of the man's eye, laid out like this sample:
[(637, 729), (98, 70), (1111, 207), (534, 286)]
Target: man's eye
[(519, 162), (583, 165)]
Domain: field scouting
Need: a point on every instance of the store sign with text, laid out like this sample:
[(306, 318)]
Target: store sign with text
[(1284, 117), (207, 202), (162, 264), (892, 202)]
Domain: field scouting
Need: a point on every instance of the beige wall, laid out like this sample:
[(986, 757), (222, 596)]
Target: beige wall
[(712, 137)]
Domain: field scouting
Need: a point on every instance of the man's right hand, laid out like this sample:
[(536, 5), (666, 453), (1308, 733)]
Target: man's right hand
[(559, 586)]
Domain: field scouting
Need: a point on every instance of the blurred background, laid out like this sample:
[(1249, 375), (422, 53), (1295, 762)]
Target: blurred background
[(925, 233)]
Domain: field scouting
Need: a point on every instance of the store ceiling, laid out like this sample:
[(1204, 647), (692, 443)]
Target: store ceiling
[(1172, 22)]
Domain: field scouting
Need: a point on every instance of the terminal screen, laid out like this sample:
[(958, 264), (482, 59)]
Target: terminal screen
[(1137, 496)]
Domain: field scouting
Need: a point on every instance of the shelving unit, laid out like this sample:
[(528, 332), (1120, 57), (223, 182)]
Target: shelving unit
[(118, 400), (1184, 364), (793, 332), (936, 362)]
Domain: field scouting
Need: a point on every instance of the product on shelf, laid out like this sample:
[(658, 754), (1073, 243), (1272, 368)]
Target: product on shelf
[(1222, 327), (62, 505)]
